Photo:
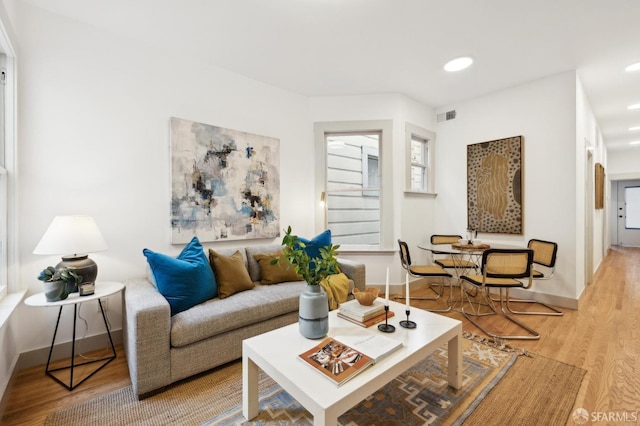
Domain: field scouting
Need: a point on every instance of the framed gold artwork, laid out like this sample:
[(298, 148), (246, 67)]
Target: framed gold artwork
[(494, 186), (599, 191)]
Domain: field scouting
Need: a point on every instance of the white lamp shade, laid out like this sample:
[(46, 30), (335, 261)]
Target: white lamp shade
[(71, 235)]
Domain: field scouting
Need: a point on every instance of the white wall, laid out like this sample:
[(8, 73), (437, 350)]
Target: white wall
[(544, 112), (94, 128), (412, 215), (591, 229), (623, 164)]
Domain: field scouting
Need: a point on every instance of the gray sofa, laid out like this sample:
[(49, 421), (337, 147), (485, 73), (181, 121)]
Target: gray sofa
[(162, 349)]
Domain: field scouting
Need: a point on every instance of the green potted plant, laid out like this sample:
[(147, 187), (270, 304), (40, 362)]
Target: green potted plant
[(314, 306), (58, 283)]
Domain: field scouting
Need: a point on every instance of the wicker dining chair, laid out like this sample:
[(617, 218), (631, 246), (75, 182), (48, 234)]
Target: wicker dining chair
[(445, 260), (422, 271), (501, 269), (544, 259)]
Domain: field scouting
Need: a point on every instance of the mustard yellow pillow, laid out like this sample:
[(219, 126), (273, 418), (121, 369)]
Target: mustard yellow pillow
[(231, 274), (280, 272)]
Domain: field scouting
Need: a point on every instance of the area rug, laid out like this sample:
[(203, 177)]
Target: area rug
[(215, 398)]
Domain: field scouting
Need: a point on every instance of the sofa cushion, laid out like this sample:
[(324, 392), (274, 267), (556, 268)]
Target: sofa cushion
[(231, 273), (184, 281), (217, 316), (313, 245), (281, 272), (252, 263)]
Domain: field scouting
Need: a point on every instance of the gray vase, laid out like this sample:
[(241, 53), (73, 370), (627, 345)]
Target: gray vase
[(55, 290), (313, 316)]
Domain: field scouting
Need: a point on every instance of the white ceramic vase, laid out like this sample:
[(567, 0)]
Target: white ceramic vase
[(313, 316)]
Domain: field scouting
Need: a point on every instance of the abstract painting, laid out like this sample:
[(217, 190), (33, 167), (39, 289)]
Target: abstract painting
[(494, 186), (225, 184)]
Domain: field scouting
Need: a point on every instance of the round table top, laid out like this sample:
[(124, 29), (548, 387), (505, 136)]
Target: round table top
[(102, 289), (456, 249)]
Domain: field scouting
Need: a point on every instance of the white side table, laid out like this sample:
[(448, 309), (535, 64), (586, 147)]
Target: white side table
[(103, 289)]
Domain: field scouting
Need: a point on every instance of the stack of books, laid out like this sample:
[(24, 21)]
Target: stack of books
[(364, 316)]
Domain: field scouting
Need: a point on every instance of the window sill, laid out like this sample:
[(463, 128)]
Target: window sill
[(421, 193), (361, 250), (9, 304)]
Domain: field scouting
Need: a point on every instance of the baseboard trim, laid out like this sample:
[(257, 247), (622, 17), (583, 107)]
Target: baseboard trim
[(549, 299), (63, 350)]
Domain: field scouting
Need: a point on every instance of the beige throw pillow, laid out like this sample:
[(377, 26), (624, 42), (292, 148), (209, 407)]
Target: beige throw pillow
[(279, 273), (231, 274)]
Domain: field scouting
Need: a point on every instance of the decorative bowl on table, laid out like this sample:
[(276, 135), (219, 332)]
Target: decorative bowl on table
[(367, 296)]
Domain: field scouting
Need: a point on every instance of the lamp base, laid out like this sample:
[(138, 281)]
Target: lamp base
[(83, 266)]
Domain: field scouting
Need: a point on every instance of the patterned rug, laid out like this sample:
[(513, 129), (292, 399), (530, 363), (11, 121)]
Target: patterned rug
[(419, 396), (495, 379)]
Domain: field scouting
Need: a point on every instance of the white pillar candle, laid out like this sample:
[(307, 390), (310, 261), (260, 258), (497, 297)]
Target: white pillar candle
[(386, 290), (407, 291)]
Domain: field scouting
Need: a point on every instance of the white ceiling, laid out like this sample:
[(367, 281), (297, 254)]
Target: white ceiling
[(343, 47)]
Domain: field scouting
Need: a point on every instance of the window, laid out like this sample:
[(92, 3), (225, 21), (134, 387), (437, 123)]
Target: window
[(353, 214), (420, 146), (632, 206), (3, 184), (8, 249), (3, 232), (419, 156), (351, 173)]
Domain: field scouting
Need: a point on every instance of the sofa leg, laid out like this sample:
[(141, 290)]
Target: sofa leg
[(151, 393)]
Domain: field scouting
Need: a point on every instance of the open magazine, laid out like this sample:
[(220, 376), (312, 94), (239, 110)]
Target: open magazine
[(340, 361)]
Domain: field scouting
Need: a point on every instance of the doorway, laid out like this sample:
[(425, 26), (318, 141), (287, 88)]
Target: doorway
[(628, 213), (588, 223)]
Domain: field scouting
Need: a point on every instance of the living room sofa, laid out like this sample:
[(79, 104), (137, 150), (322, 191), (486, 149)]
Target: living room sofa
[(162, 349)]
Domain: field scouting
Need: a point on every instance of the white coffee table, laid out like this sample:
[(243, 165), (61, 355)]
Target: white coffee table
[(276, 354)]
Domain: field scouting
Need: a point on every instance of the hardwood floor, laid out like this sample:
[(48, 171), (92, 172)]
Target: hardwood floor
[(602, 337)]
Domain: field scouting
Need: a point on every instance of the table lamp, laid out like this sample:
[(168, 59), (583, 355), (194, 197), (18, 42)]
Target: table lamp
[(74, 237)]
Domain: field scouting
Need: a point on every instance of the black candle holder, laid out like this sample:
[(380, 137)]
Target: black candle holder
[(386, 327), (407, 323)]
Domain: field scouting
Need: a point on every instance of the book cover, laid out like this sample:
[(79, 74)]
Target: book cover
[(355, 310), (367, 323), (335, 360), (375, 345)]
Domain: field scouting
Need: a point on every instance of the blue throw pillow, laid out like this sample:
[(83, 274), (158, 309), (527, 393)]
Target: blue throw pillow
[(184, 281), (312, 246)]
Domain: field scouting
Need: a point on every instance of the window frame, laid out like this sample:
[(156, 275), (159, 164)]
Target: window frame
[(385, 164), (415, 132), (8, 211), (635, 201), (4, 243)]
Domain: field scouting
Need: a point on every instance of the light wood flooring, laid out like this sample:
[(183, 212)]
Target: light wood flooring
[(602, 337)]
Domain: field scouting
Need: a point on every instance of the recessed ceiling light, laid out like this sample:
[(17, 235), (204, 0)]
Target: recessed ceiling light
[(634, 143), (634, 106), (458, 64), (634, 128), (633, 67)]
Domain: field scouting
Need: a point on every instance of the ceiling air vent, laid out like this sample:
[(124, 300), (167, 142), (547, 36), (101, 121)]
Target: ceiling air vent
[(446, 116)]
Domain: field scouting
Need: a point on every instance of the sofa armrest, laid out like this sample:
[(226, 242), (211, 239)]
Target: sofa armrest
[(147, 336), (355, 271)]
